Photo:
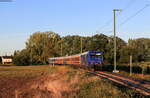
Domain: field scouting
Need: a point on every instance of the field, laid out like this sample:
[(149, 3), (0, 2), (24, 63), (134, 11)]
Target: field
[(57, 82)]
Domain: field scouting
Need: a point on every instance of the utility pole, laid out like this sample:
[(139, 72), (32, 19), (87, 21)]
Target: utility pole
[(114, 11), (61, 47), (81, 44), (31, 54), (44, 49), (73, 49), (130, 65)]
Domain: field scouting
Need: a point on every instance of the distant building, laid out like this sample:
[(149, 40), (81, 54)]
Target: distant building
[(6, 59)]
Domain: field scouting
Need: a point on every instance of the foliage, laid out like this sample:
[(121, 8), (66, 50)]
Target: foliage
[(142, 46), (39, 47), (42, 45), (109, 50), (21, 57), (71, 45)]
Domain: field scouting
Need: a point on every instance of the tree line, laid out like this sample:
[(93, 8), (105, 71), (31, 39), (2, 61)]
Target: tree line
[(42, 45)]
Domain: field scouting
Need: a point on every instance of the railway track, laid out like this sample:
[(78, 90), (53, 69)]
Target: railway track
[(139, 85)]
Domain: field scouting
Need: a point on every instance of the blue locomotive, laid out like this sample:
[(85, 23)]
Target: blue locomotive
[(92, 58)]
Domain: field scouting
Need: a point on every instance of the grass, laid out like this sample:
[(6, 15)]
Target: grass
[(61, 82), (99, 89), (140, 76), (25, 71), (94, 87), (141, 71), (88, 85)]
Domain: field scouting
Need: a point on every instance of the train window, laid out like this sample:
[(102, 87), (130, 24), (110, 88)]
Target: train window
[(98, 54), (75, 59), (95, 56)]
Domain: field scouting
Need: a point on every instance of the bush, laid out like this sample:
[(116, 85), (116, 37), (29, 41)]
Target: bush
[(126, 68), (21, 58)]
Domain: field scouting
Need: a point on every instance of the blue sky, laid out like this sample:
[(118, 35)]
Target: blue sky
[(21, 18)]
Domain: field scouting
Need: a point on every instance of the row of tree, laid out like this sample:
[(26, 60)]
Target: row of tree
[(42, 45)]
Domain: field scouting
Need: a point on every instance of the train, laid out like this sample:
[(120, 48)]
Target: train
[(89, 59)]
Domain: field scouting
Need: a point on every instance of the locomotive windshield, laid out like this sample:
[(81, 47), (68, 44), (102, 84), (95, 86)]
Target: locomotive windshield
[(96, 56)]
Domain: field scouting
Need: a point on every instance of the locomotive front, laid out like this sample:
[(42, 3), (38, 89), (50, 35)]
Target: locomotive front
[(95, 58)]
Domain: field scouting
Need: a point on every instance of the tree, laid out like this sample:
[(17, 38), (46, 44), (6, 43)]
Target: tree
[(71, 45), (39, 47), (42, 45), (142, 45), (109, 52), (21, 57), (98, 42), (125, 54)]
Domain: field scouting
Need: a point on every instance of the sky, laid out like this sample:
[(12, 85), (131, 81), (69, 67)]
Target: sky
[(21, 18)]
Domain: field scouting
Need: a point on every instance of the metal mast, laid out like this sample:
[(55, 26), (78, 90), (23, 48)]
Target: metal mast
[(81, 44), (115, 64)]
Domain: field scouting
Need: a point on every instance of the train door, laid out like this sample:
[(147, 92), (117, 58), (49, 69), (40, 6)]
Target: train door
[(84, 60)]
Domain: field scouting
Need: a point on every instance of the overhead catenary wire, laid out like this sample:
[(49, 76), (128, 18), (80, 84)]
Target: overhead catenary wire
[(106, 24), (128, 5), (132, 16), (148, 1)]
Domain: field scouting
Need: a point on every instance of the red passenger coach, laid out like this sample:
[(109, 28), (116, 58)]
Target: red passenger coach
[(75, 60), (87, 59), (71, 60)]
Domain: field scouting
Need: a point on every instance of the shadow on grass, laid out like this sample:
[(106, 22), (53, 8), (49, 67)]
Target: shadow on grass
[(132, 93)]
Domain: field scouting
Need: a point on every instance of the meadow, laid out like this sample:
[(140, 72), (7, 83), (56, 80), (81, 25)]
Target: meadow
[(57, 82)]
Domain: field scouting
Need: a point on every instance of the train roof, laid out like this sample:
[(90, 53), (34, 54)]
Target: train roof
[(70, 56), (75, 55)]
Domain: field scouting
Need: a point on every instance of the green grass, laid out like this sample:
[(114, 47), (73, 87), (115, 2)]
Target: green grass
[(25, 71), (134, 75), (138, 71), (99, 89), (91, 86), (69, 82)]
